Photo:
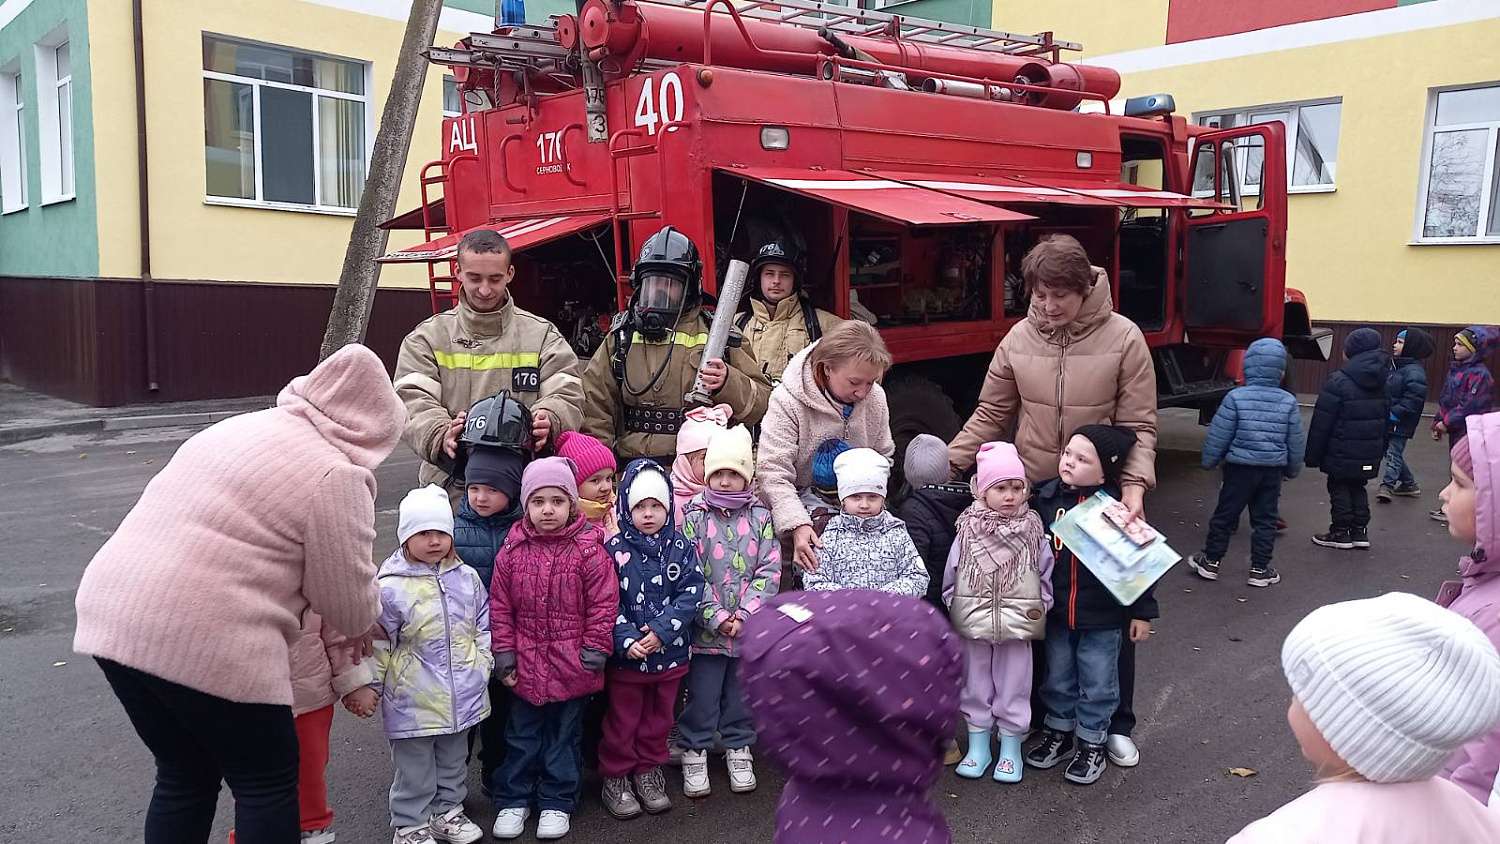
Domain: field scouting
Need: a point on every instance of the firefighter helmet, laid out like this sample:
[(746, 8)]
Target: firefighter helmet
[(499, 421), (668, 280), (780, 251)]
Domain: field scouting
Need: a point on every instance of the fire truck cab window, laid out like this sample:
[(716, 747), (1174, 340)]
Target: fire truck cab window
[(1143, 237), (917, 276)]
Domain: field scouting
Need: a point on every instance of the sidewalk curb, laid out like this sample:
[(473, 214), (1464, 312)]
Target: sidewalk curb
[(23, 433)]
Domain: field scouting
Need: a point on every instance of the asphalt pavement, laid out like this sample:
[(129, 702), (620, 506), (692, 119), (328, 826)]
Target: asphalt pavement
[(1210, 692)]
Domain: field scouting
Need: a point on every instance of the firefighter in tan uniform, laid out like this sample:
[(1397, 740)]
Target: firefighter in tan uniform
[(635, 385), (482, 346), (781, 321)]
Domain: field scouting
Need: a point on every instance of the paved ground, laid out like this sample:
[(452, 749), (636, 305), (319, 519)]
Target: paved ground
[(1211, 696)]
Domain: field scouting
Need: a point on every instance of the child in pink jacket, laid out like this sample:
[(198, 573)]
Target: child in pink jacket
[(1383, 691), (1472, 505), (553, 603)]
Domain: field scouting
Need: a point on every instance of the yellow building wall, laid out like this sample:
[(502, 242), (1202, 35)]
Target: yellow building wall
[(1351, 250), (194, 240), (1111, 26)]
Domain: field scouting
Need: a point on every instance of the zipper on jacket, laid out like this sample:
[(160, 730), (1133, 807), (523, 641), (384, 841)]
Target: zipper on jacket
[(1062, 360), (448, 642)]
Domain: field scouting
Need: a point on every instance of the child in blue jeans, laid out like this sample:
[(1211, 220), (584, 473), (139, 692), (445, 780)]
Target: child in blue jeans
[(1086, 624)]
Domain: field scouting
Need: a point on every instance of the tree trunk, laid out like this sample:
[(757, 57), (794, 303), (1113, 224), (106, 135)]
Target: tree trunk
[(367, 241)]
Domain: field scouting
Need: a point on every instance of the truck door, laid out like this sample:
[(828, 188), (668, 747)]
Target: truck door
[(1234, 257)]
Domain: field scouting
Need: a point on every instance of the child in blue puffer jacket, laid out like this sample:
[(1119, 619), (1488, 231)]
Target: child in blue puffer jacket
[(1257, 436)]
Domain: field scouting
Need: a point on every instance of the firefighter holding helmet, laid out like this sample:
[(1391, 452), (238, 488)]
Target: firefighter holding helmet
[(483, 346), (781, 321), (634, 387)]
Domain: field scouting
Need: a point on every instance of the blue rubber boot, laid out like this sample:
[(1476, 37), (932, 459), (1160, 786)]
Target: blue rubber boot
[(977, 760), (1009, 766)]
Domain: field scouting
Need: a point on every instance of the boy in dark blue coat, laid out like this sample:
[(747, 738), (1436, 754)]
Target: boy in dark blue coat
[(1257, 436), (1406, 390), (1346, 437)]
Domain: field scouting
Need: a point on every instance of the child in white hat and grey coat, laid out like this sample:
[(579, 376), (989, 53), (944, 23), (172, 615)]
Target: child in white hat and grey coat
[(864, 546), (1384, 690)]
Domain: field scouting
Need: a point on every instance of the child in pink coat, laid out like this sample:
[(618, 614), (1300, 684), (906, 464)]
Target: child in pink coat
[(1383, 691), (1472, 505)]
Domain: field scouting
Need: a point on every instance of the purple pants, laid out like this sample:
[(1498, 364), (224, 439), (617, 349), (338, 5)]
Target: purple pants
[(997, 686)]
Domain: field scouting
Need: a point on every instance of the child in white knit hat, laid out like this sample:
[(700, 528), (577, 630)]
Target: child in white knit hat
[(1384, 690), (865, 547)]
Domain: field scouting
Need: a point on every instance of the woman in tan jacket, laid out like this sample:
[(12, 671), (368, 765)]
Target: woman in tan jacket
[(1072, 362)]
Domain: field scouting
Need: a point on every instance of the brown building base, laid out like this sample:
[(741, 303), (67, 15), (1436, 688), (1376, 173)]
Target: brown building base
[(86, 339)]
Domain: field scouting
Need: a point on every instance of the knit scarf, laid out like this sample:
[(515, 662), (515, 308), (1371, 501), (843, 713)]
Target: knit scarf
[(993, 543), (685, 484), (729, 501)]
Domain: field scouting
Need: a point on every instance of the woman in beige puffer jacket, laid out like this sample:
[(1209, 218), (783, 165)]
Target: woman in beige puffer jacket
[(1045, 381)]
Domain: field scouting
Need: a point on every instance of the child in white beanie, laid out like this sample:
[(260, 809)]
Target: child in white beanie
[(1384, 690), (865, 547)]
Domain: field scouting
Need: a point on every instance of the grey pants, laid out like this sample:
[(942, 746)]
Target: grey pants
[(431, 777)]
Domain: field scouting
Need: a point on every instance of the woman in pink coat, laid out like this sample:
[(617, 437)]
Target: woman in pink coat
[(553, 603), (191, 606), (1472, 504)]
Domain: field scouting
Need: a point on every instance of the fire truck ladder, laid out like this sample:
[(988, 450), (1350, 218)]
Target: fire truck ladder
[(848, 20), (443, 288)]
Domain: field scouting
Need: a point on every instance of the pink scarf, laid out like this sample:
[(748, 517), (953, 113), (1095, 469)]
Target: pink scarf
[(994, 543), (685, 484)]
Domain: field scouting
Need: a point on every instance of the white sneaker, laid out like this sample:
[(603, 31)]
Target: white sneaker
[(510, 823), (419, 834), (1122, 751), (695, 773), (741, 770), (318, 836), (455, 827), (553, 825)]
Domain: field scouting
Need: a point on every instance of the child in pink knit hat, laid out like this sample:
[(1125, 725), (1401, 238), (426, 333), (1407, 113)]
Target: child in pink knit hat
[(595, 474), (998, 588), (698, 427)]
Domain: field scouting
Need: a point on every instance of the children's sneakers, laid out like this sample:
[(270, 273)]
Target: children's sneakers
[(619, 800), (1438, 515), (418, 834), (510, 823), (1359, 538), (652, 786), (741, 770), (695, 773), (455, 827), (1334, 539), (1407, 491), (1088, 763), (1383, 495), (1054, 747), (1263, 577), (318, 836), (553, 825), (1206, 568)]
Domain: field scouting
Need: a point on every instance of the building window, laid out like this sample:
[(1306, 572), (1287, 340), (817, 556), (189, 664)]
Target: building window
[(282, 126), (12, 143), (453, 102), (1460, 196), (54, 89), (1312, 142)]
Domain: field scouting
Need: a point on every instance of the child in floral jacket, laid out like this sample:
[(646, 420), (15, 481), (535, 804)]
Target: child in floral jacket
[(742, 566), (865, 546), (661, 584)]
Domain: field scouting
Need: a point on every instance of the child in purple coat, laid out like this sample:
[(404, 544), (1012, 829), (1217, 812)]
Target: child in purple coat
[(876, 673)]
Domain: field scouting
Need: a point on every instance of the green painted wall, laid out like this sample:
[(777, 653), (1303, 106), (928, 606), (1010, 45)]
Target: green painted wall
[(61, 239), (971, 12)]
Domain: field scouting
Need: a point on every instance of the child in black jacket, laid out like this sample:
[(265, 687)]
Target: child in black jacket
[(931, 510), (1406, 389), (1347, 435), (1086, 623)]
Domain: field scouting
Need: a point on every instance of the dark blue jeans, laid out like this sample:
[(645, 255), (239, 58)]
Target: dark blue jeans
[(543, 756), (715, 704), (1397, 473), (1082, 687), (1256, 487), (200, 740)]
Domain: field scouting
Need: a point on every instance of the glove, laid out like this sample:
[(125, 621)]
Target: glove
[(591, 659), (505, 664)]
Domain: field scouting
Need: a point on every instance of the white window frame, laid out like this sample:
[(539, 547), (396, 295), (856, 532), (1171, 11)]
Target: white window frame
[(1487, 181), (447, 78), (317, 207), (12, 141), (55, 147), (1240, 115)]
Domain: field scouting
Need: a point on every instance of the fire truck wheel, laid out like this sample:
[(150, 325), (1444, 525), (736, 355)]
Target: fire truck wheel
[(918, 406)]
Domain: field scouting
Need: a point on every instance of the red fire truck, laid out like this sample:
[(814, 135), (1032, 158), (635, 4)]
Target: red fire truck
[(916, 161)]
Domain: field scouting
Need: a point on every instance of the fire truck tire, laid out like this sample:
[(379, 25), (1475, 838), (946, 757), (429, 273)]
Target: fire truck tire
[(919, 406)]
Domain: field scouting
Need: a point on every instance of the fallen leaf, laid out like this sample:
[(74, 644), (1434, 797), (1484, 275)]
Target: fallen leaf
[(59, 663), (1241, 598), (1186, 589), (8, 630), (1242, 772), (128, 453), (147, 462), (83, 455), (954, 796), (1197, 649), (1406, 577), (1235, 639)]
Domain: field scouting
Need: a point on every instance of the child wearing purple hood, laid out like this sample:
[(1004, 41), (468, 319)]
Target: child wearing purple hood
[(879, 671), (1472, 506)]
